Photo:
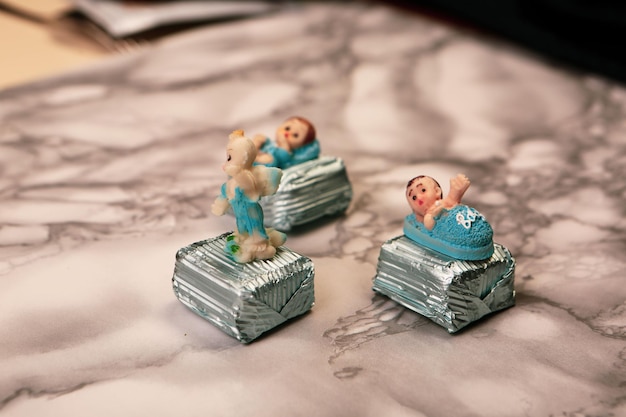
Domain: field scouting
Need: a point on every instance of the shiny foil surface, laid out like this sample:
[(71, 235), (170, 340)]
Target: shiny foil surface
[(307, 192), (243, 300), (450, 292)]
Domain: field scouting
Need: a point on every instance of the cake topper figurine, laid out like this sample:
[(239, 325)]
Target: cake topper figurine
[(244, 282), (312, 187), (444, 224), (245, 186), (445, 266), (295, 143)]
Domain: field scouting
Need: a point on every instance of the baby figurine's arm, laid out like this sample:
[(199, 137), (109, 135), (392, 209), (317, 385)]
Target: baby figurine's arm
[(220, 205), (458, 187), (264, 158), (259, 140), (433, 211), (429, 221)]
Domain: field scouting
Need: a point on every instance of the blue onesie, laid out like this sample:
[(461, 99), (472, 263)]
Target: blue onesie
[(285, 159)]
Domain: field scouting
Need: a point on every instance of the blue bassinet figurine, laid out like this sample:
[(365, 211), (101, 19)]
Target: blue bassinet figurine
[(445, 225), (295, 143)]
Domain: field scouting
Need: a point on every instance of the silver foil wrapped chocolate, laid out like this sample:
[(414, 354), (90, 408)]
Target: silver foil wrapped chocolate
[(450, 292), (307, 192), (243, 299)]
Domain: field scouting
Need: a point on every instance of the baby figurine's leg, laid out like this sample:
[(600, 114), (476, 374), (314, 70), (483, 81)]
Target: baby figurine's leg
[(256, 246), (276, 238)]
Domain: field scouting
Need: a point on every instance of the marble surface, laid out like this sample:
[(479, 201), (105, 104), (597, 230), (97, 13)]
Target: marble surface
[(107, 171)]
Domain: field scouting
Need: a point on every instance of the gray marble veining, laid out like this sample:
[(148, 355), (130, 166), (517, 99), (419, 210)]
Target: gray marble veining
[(108, 171)]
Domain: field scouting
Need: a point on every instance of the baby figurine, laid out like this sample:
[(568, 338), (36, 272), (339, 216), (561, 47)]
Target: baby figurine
[(446, 265), (444, 224), (425, 197), (245, 186), (295, 143)]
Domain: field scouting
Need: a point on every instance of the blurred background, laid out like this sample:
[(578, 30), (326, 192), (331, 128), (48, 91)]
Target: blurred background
[(39, 38)]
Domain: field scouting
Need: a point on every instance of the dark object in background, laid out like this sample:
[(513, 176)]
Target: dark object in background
[(587, 34)]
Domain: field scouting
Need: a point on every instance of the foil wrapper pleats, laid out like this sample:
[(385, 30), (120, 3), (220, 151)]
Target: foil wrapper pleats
[(307, 192), (243, 300), (452, 293)]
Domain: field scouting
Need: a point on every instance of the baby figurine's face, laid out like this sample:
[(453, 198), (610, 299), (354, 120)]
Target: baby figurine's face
[(291, 134), (240, 153), (422, 193)]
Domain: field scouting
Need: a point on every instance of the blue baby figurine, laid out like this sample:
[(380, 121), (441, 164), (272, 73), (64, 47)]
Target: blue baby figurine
[(245, 186), (444, 224), (294, 144)]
